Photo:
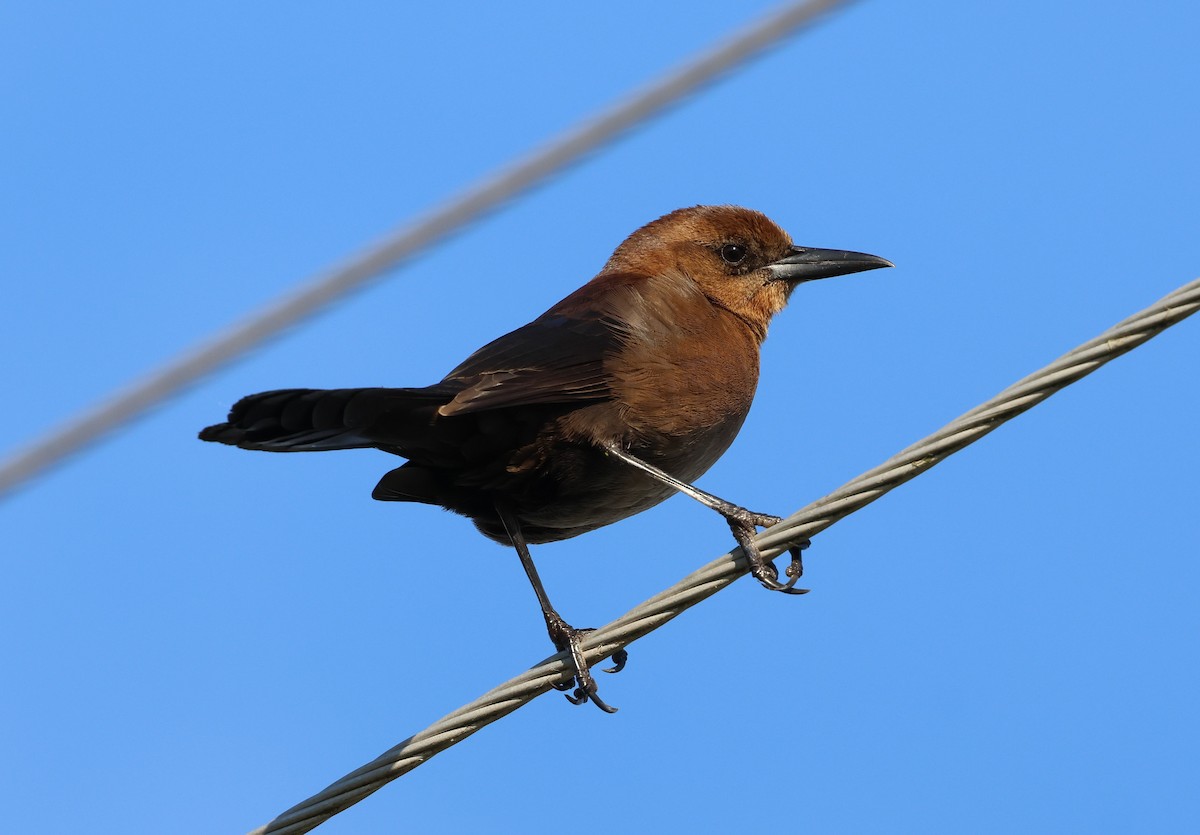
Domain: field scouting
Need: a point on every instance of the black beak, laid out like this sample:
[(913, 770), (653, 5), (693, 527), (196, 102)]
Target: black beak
[(806, 264)]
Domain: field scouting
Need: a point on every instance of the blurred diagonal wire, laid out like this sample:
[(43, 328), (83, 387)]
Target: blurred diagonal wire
[(707, 581), (405, 242)]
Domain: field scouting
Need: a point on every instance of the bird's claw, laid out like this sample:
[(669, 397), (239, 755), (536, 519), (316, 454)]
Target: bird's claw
[(795, 569), (743, 524), (768, 575), (566, 639), (618, 658)]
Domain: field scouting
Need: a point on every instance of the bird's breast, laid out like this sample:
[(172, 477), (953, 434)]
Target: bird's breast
[(683, 398), (681, 424), (680, 386)]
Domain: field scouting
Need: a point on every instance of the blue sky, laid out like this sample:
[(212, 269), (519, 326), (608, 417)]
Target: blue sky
[(195, 638)]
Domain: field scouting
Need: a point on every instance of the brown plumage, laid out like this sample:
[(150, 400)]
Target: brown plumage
[(605, 405)]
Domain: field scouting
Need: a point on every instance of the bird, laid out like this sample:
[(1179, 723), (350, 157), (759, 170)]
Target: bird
[(617, 397)]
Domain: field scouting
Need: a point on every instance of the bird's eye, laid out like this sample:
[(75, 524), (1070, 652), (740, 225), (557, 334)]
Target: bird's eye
[(733, 254)]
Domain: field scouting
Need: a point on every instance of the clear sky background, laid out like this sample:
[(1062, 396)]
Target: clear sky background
[(193, 638)]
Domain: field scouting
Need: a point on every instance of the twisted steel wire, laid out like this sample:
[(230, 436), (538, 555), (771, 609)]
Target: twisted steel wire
[(710, 579)]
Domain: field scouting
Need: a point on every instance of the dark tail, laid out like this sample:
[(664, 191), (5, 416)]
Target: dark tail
[(316, 420)]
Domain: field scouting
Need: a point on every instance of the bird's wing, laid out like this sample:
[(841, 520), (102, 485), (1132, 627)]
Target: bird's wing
[(554, 359)]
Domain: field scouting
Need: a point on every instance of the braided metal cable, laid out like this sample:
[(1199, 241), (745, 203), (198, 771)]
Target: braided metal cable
[(713, 577)]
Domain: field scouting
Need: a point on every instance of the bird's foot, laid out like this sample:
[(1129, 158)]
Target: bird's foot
[(744, 524), (567, 639)]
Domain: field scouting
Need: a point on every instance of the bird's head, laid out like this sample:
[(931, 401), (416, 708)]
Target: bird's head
[(739, 258)]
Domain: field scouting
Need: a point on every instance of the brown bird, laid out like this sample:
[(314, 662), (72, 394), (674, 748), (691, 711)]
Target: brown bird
[(609, 402)]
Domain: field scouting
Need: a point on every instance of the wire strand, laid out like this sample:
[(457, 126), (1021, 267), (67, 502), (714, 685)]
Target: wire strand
[(710, 579), (405, 242)]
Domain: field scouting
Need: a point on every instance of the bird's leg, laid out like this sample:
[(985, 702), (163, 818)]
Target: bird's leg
[(742, 522), (565, 637)]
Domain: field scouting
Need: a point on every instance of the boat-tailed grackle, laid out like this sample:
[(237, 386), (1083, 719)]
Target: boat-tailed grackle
[(623, 393)]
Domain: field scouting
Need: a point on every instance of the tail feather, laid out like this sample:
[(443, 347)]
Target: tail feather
[(317, 420)]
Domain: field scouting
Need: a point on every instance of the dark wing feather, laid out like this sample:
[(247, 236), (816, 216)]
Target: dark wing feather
[(553, 359)]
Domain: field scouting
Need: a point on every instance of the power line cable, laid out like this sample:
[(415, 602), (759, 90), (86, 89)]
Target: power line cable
[(710, 579), (405, 242)]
